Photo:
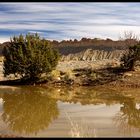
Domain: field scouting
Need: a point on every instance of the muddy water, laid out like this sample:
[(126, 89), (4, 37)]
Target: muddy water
[(69, 112)]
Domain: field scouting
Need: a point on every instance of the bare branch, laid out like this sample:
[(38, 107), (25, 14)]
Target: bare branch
[(130, 38)]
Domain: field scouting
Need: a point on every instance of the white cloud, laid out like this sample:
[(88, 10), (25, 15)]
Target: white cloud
[(65, 20), (4, 39)]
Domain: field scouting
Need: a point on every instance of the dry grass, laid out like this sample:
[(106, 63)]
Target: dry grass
[(1, 58), (55, 74), (69, 75), (80, 129)]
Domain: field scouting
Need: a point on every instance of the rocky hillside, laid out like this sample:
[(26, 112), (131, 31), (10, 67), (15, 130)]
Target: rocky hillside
[(66, 47), (94, 55)]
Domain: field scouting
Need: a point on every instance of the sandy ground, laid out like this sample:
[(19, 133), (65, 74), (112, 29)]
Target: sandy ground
[(70, 65)]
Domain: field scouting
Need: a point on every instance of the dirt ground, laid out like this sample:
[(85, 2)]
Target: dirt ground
[(71, 65)]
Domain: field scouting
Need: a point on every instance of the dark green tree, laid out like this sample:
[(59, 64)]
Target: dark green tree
[(129, 59), (29, 57)]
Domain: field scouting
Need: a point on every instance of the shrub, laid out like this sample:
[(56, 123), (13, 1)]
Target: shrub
[(29, 57), (69, 77), (55, 74), (128, 60)]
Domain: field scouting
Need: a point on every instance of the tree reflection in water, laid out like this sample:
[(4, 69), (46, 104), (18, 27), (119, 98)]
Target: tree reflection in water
[(28, 111), (128, 119)]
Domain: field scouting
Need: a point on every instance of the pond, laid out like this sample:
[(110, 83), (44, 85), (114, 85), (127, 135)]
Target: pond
[(31, 111)]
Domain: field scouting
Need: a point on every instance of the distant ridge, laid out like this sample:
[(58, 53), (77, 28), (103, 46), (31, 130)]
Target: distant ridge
[(67, 47)]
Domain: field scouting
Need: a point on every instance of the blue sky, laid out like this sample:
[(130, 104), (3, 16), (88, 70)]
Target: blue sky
[(69, 20)]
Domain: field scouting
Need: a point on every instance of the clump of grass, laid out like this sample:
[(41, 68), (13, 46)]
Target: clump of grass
[(93, 75), (55, 74), (69, 74), (1, 58), (80, 129), (69, 77)]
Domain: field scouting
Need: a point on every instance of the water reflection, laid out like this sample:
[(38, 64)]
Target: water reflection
[(128, 119), (28, 111)]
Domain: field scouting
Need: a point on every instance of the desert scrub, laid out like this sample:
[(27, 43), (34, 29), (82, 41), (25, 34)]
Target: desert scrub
[(29, 56), (53, 75), (1, 58), (69, 77), (93, 75)]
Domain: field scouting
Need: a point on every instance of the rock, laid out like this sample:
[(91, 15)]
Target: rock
[(94, 55)]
